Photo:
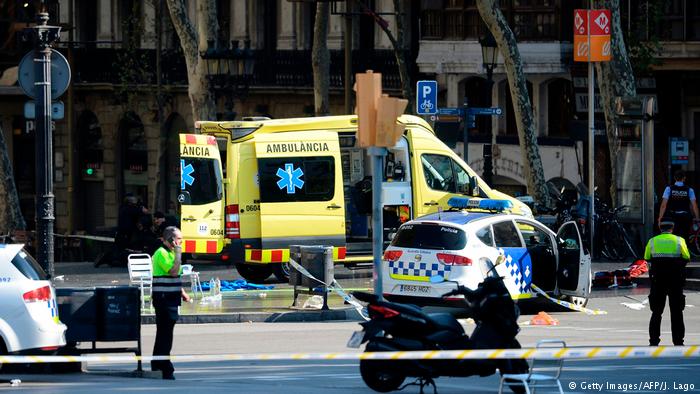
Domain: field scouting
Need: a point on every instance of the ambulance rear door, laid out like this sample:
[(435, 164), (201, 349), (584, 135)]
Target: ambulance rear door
[(301, 189), (201, 194)]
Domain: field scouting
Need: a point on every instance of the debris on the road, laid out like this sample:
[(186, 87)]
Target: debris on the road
[(637, 306), (543, 319)]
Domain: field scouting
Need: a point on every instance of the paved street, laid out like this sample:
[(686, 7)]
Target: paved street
[(621, 326)]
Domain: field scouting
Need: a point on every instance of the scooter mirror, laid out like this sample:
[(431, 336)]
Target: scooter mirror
[(437, 279)]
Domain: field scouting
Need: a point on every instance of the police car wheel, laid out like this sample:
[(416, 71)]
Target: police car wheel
[(578, 301), (281, 272), (254, 273)]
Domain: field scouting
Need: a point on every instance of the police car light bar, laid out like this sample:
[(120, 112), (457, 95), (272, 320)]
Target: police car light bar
[(484, 203)]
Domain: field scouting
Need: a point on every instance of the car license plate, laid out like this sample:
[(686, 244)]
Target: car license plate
[(414, 289), (356, 339)]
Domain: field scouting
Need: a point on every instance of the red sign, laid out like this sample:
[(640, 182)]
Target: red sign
[(598, 24), (580, 22)]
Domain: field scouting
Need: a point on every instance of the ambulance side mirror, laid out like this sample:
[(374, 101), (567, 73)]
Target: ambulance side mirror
[(184, 198), (473, 186)]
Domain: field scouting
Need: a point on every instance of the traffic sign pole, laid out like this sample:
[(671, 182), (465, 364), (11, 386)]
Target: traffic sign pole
[(44, 35)]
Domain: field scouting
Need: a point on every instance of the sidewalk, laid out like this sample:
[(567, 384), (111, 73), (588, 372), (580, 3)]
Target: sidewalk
[(238, 306)]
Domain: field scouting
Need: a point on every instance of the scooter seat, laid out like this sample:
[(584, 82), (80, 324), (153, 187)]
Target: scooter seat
[(446, 321)]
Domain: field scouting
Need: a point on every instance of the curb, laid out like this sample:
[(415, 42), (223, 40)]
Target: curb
[(346, 314)]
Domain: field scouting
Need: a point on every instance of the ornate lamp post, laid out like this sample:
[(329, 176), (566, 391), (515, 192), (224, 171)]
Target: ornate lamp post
[(229, 71), (489, 57), (43, 36)]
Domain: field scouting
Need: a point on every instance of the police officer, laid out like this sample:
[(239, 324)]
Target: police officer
[(668, 256), (167, 293), (680, 201)]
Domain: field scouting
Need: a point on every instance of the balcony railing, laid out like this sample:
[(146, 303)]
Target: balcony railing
[(273, 69)]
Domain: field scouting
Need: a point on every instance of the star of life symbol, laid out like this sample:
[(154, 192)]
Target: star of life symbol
[(186, 177), (290, 178)]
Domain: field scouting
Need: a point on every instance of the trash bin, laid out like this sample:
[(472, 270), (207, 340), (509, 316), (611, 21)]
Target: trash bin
[(294, 275), (318, 260), (121, 313), (78, 310)]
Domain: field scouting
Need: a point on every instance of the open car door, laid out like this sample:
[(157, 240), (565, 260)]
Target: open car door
[(573, 265), (201, 194)]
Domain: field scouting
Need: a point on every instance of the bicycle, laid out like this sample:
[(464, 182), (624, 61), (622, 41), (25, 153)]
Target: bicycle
[(694, 240)]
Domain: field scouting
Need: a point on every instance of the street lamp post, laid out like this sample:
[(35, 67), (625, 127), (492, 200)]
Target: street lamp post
[(229, 71), (43, 36), (489, 56)]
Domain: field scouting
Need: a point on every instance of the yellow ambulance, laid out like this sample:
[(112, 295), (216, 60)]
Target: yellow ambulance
[(249, 189)]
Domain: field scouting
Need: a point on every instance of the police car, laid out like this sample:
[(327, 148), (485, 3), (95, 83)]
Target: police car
[(450, 245), (28, 311)]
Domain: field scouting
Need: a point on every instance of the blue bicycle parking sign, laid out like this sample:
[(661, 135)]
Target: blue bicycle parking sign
[(426, 97)]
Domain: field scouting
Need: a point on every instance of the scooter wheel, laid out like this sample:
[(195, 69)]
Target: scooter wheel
[(379, 377)]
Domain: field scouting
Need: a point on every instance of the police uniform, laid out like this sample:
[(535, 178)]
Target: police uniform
[(668, 255), (166, 299), (679, 196)]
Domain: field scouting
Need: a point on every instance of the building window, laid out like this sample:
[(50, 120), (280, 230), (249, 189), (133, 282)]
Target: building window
[(560, 107), (134, 156), (460, 19), (511, 128)]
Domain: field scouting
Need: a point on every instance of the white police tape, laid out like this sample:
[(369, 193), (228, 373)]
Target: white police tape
[(334, 286), (607, 352), (569, 305)]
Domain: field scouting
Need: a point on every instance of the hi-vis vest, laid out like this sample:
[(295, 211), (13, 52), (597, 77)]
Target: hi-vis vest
[(666, 246), (167, 284)]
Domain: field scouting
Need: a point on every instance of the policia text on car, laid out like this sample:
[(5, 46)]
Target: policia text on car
[(668, 255)]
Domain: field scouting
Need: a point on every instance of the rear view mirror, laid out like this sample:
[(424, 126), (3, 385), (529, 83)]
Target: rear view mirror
[(473, 186), (184, 198)]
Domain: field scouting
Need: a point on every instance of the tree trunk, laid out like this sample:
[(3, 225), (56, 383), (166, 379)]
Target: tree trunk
[(398, 44), (321, 60), (192, 42), (527, 135), (615, 79), (10, 214)]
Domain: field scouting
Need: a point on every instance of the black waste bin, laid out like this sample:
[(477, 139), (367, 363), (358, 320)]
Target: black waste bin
[(318, 260), (121, 313), (78, 309)]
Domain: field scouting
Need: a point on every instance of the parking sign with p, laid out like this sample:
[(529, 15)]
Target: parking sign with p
[(426, 100)]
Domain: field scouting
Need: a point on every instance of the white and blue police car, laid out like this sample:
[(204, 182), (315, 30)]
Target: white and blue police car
[(29, 320), (450, 244)]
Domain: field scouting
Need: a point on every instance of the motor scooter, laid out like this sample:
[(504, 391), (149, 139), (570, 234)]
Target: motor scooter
[(401, 327)]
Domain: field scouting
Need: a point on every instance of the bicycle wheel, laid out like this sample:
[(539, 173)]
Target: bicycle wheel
[(623, 244), (605, 244), (694, 244)]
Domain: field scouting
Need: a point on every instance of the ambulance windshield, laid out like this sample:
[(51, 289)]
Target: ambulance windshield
[(201, 178)]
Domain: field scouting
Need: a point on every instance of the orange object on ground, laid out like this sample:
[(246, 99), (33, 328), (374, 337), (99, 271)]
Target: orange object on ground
[(543, 319)]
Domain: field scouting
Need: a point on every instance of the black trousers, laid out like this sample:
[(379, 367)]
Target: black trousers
[(667, 282), (683, 222), (166, 317)]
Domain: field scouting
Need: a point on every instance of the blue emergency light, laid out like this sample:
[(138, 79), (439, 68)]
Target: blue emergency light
[(487, 204)]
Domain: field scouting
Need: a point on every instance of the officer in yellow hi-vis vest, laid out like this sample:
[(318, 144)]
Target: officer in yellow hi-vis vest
[(668, 255)]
